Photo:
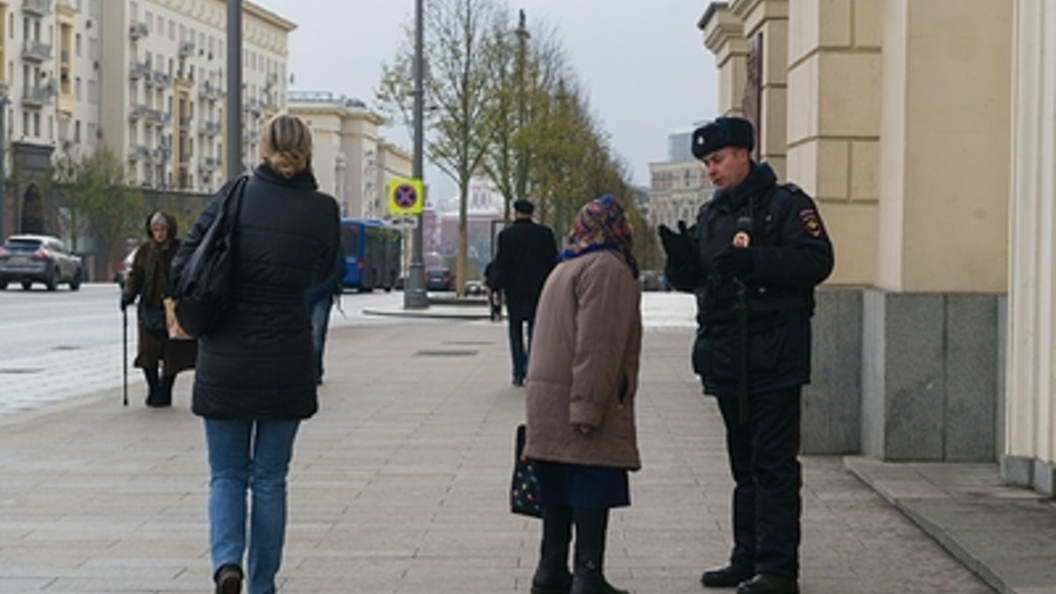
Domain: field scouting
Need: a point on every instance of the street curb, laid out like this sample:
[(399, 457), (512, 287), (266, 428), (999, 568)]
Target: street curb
[(894, 481), (428, 313)]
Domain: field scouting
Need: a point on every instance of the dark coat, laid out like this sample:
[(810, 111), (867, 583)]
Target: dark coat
[(258, 363), (791, 254), (526, 255), (148, 279)]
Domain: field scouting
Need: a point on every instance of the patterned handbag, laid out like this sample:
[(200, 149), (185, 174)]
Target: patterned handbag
[(524, 492)]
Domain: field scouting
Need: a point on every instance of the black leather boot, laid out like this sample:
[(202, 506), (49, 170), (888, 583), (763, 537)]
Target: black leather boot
[(228, 579), (165, 391), (153, 385), (552, 575), (588, 576)]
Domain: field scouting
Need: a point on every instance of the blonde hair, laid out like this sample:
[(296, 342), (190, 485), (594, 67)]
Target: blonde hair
[(286, 144)]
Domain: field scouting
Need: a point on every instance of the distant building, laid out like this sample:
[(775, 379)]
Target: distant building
[(677, 186), (351, 161), (484, 212)]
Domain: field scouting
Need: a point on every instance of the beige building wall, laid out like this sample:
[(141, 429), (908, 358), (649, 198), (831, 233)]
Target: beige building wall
[(943, 217), (724, 36), (1031, 409), (833, 128)]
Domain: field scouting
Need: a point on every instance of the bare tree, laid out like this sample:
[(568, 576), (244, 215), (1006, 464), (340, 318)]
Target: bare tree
[(460, 67)]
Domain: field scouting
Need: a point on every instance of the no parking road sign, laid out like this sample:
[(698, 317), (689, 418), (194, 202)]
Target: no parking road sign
[(405, 197)]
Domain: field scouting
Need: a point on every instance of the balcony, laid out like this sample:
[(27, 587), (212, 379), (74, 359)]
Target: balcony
[(185, 123), (38, 96), (138, 152), (209, 164), (161, 80), (210, 128), (138, 31), (161, 155), (138, 70), (186, 49), (35, 50), (255, 106), (39, 8), (207, 91), (137, 112)]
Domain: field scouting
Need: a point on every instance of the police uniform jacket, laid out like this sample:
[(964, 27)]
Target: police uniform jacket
[(258, 363), (791, 254), (584, 364)]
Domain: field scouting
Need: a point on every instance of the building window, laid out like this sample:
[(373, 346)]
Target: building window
[(77, 131), (36, 125), (77, 88), (93, 133), (77, 44), (25, 123)]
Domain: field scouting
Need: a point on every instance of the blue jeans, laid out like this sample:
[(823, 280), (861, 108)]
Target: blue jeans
[(320, 322), (244, 455), (518, 351)]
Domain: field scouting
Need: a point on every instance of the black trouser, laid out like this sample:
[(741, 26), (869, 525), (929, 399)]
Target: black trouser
[(766, 501)]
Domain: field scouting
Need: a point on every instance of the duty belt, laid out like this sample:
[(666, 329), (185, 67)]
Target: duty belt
[(726, 311)]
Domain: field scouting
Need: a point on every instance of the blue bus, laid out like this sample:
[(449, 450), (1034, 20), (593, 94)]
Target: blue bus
[(372, 254)]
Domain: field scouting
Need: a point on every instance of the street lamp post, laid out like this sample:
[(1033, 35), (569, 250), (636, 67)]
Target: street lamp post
[(3, 158), (233, 105), (414, 296)]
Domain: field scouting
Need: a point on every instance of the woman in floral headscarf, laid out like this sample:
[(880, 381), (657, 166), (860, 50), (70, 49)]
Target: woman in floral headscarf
[(582, 378)]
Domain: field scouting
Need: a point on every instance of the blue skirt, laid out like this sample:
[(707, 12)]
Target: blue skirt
[(573, 485)]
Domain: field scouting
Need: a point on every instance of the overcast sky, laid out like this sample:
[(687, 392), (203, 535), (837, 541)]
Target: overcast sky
[(642, 63)]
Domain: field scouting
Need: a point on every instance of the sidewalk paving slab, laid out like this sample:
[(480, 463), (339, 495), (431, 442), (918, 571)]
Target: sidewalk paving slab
[(399, 485)]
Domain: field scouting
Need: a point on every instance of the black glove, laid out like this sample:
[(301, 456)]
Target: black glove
[(733, 261), (127, 300), (677, 246)]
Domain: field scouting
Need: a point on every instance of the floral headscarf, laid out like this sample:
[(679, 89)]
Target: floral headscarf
[(601, 225)]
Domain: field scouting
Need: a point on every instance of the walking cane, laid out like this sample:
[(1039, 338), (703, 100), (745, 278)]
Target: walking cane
[(124, 353)]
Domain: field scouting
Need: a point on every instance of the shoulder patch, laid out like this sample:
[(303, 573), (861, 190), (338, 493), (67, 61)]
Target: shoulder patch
[(811, 222)]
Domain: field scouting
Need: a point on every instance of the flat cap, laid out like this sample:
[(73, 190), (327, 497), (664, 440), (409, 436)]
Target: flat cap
[(721, 133)]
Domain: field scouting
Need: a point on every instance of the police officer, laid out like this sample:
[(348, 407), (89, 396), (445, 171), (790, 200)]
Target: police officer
[(753, 258)]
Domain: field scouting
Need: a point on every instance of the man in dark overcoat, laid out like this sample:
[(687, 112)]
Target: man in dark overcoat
[(526, 254), (753, 258)]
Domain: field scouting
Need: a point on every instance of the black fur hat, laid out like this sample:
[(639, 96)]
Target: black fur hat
[(721, 133)]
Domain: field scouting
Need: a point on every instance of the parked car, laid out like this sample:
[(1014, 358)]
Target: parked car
[(29, 259), (474, 287), (438, 279)]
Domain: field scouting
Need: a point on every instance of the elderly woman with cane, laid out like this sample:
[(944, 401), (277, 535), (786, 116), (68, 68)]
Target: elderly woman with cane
[(148, 280)]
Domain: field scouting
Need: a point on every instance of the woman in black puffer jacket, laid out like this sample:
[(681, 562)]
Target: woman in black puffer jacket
[(255, 377)]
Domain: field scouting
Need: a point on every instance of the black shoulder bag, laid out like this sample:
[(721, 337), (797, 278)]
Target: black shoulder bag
[(202, 281)]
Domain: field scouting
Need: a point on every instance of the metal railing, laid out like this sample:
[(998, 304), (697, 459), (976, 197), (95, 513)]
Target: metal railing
[(137, 70), (37, 7), (138, 30), (36, 50), (40, 95)]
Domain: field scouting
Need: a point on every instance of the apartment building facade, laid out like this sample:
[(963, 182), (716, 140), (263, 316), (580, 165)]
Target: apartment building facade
[(144, 77), (163, 87), (352, 162)]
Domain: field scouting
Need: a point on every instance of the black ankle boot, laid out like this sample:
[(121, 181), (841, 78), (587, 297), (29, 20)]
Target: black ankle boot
[(588, 576), (552, 575), (164, 397), (228, 579), (153, 384)]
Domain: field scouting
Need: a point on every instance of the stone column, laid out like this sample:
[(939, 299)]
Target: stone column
[(932, 327), (767, 20), (1030, 451), (724, 36), (833, 154)]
